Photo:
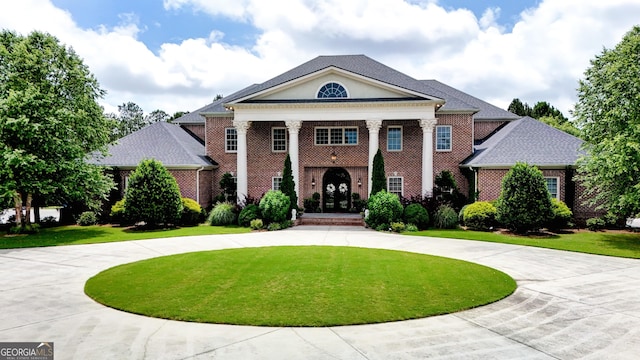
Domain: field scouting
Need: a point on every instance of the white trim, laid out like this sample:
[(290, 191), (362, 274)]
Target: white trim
[(273, 182), (450, 137), (284, 129), (226, 140), (329, 128), (401, 184), (557, 178), (331, 82), (401, 138)]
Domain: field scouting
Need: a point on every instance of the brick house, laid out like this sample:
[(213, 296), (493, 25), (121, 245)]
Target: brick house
[(331, 115)]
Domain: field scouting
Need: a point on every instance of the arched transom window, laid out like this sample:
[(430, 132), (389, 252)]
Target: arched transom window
[(332, 90)]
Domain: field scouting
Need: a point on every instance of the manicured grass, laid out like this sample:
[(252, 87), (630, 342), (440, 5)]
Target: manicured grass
[(298, 286), (620, 244), (73, 235)]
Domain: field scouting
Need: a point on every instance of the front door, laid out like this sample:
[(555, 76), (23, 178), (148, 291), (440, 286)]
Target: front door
[(336, 188)]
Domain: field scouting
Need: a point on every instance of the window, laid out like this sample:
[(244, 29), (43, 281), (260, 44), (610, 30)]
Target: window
[(443, 138), (394, 138), (332, 90), (278, 139), (552, 186), (276, 181), (336, 136), (394, 184), (231, 140)]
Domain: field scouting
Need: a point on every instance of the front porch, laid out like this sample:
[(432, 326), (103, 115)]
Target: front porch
[(331, 219)]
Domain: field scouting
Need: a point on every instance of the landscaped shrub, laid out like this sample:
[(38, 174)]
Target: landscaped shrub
[(87, 218), (595, 224), (481, 215), (445, 218), (397, 227), (274, 226), (461, 215), (410, 228), (561, 215), (192, 213), (222, 214), (118, 214), (26, 229), (256, 224), (274, 206), (312, 205), (384, 209), (357, 202), (248, 214), (417, 215)]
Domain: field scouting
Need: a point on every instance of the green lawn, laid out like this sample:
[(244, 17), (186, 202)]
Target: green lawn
[(73, 235), (620, 244), (298, 286)]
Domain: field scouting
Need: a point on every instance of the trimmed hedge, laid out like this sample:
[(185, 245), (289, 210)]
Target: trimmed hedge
[(417, 215), (192, 213), (481, 215), (384, 208), (248, 214), (274, 206)]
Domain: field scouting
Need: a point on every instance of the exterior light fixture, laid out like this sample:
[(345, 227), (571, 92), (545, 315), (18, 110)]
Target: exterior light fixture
[(359, 182), (313, 182), (334, 157)]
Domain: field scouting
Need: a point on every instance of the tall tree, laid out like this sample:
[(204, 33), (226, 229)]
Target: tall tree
[(288, 186), (130, 118), (378, 177), (518, 108), (608, 110), (50, 121), (156, 116)]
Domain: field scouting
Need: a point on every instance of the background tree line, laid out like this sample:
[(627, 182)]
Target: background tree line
[(545, 112)]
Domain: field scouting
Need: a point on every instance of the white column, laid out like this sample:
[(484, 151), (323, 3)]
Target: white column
[(294, 150), (374, 129), (241, 159), (427, 126)]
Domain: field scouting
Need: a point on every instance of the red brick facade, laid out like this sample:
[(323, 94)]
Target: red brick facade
[(483, 129), (195, 129)]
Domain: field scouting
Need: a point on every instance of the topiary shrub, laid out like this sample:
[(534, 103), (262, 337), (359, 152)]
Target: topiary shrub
[(384, 208), (87, 218), (445, 218), (481, 215), (417, 215), (118, 214), (222, 214), (192, 213), (248, 214), (274, 206), (561, 215), (256, 224)]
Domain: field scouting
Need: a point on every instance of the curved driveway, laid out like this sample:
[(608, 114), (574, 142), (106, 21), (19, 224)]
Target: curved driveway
[(567, 306)]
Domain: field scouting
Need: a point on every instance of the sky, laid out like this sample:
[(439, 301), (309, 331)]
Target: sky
[(177, 55)]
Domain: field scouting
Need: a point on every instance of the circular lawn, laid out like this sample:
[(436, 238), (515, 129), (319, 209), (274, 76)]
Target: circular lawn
[(298, 286)]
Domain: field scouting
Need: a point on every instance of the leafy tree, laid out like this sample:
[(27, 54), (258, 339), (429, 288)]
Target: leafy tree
[(378, 177), (524, 203), (288, 186), (153, 195), (130, 118), (446, 190), (229, 187), (519, 108), (50, 120), (608, 111), (546, 113), (559, 124), (156, 116), (176, 115)]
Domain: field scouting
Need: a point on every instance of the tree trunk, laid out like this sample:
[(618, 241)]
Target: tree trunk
[(27, 219), (17, 201)]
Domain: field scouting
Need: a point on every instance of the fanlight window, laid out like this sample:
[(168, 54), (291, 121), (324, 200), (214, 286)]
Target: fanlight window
[(332, 90)]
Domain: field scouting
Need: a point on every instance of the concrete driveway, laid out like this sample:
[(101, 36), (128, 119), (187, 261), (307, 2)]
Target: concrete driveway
[(567, 306)]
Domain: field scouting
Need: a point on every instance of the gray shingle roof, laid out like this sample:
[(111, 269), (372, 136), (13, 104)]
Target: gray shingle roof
[(162, 141), (527, 140)]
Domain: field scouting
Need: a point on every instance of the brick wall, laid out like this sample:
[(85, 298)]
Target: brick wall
[(196, 129), (462, 147), (490, 182), (215, 149), (482, 129)]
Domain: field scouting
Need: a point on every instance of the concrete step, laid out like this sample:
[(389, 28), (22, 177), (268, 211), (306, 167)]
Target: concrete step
[(334, 221)]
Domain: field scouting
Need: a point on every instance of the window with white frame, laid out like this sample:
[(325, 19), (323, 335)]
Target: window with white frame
[(276, 181), (394, 138), (552, 186), (279, 139), (395, 185), (336, 136), (231, 140), (443, 138)]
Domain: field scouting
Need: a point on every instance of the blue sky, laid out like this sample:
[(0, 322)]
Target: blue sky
[(178, 54)]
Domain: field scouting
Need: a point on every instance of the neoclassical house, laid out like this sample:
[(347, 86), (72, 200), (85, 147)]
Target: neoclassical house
[(332, 114)]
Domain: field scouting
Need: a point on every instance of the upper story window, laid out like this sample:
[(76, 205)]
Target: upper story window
[(552, 186), (279, 139), (443, 138), (231, 140), (336, 136), (394, 138), (332, 90)]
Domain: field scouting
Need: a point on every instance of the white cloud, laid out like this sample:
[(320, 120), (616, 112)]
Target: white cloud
[(540, 58)]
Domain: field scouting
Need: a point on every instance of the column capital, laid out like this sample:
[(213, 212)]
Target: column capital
[(374, 125), (242, 126), (293, 125), (428, 124)]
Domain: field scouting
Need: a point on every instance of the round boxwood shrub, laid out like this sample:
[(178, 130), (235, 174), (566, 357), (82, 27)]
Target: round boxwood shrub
[(222, 214), (192, 213), (445, 218), (87, 218), (481, 215), (417, 215), (384, 208), (249, 213), (560, 215), (274, 206)]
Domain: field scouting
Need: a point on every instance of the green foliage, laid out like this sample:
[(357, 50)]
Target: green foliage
[(560, 215), (461, 215), (446, 190), (378, 177), (559, 124), (358, 203), (397, 227), (248, 214), (288, 186), (87, 218), (445, 218), (274, 226), (24, 230), (539, 110), (417, 215), (222, 214), (274, 206), (481, 215), (153, 195), (118, 214), (228, 187), (192, 213), (384, 209), (607, 111), (524, 203), (411, 228), (595, 224), (256, 224)]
